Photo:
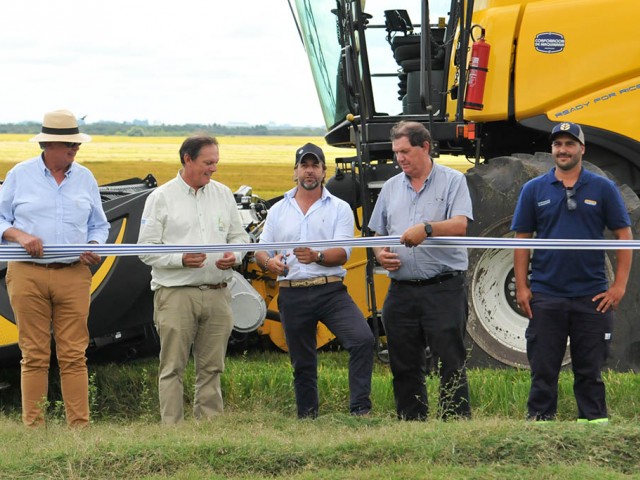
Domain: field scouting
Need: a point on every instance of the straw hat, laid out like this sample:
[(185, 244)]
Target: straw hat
[(60, 126)]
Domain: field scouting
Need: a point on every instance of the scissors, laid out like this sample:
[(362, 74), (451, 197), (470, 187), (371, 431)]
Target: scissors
[(286, 269)]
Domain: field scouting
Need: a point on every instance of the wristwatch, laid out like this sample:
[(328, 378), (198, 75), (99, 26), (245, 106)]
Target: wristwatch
[(320, 257), (428, 229)]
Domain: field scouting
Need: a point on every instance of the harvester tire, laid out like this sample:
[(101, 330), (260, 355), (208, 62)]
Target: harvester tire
[(496, 326)]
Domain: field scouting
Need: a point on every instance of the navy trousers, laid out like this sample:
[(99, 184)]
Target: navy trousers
[(300, 311), (415, 317), (556, 319)]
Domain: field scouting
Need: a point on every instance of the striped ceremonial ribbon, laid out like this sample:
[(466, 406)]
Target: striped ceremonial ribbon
[(57, 252)]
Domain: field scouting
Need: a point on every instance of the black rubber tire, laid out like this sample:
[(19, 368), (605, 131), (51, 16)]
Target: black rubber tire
[(497, 332)]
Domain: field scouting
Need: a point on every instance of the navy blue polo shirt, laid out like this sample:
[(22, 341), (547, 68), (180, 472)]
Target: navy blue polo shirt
[(542, 208)]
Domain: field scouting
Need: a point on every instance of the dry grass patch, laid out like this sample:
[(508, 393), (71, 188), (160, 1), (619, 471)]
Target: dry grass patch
[(264, 163)]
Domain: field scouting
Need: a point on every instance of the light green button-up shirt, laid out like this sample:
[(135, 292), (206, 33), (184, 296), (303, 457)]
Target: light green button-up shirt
[(176, 214)]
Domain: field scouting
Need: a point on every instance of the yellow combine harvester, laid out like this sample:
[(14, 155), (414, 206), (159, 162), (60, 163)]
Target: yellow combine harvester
[(489, 79)]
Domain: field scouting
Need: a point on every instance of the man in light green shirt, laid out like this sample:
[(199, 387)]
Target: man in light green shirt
[(192, 303)]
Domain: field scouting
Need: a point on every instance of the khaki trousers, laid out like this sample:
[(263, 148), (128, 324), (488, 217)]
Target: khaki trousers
[(43, 300), (188, 318)]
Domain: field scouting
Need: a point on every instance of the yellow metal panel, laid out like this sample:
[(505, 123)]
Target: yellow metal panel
[(500, 27), (608, 108), (601, 48), (8, 332)]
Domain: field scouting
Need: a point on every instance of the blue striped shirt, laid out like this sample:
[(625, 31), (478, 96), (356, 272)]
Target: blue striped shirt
[(70, 213), (444, 195)]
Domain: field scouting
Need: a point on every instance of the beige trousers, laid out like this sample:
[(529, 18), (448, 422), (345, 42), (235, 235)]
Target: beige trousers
[(45, 300), (188, 318)]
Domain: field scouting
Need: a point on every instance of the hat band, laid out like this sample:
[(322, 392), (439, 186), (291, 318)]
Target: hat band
[(60, 131)]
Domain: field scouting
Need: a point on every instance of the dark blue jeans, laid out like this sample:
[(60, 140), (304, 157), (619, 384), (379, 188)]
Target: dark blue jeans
[(556, 319), (300, 311), (415, 317)]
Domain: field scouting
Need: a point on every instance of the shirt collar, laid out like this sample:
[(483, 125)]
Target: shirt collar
[(323, 196), (185, 187), (46, 170), (432, 175), (583, 178)]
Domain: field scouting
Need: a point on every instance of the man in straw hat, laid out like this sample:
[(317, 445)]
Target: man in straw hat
[(50, 199)]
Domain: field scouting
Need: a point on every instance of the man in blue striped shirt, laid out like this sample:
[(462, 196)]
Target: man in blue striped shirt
[(50, 199), (426, 305)]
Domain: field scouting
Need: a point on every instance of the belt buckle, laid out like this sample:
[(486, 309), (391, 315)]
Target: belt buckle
[(203, 287)]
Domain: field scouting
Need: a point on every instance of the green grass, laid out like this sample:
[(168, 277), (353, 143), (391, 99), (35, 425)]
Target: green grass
[(259, 436), (258, 445), (262, 381)]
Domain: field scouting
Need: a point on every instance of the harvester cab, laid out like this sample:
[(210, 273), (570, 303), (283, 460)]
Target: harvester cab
[(487, 78)]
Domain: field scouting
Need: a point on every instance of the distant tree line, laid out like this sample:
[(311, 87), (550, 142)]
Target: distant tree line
[(141, 128)]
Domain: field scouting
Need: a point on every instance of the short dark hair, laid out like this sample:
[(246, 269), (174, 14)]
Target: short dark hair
[(192, 145), (416, 132)]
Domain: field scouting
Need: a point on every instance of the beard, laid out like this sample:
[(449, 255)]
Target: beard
[(308, 183), (570, 162)]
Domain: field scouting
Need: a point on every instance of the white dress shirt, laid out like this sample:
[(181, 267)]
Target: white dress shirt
[(329, 218)]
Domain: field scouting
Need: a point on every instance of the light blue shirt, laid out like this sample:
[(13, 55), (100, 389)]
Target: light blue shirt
[(444, 195), (70, 213), (329, 218)]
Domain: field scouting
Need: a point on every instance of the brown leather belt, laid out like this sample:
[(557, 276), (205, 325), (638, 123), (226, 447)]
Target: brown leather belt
[(54, 265), (310, 282), (209, 286)]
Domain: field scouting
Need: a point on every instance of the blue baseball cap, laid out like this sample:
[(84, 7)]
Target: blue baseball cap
[(569, 128)]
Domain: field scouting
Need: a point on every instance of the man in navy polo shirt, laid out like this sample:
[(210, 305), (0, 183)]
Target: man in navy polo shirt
[(568, 295)]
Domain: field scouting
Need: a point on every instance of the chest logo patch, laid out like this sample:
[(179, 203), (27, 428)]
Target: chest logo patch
[(544, 202), (593, 203)]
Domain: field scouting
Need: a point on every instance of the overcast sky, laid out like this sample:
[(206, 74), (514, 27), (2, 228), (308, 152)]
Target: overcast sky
[(186, 61)]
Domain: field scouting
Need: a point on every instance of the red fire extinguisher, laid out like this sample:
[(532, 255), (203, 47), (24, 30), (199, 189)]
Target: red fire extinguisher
[(477, 73)]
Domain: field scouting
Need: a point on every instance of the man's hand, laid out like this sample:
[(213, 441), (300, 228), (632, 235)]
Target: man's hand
[(33, 245), (388, 260), (90, 258), (227, 261), (193, 260), (413, 236), (305, 255), (278, 265), (609, 299), (523, 297)]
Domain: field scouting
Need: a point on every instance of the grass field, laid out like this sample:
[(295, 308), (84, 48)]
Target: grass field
[(259, 436)]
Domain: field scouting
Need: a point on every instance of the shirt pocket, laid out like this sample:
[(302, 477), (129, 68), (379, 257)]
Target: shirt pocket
[(434, 209), (77, 213)]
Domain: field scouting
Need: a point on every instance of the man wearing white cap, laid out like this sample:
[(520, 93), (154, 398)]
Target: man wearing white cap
[(567, 295), (50, 199)]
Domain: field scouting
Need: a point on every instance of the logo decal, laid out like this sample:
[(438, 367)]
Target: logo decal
[(549, 42)]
